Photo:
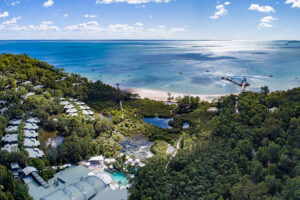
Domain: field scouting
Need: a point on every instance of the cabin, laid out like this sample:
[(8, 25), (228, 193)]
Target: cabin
[(212, 109)]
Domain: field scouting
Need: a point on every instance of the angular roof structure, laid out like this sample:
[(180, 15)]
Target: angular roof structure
[(11, 129), (10, 138), (31, 142), (33, 120), (10, 147), (75, 183), (30, 126), (35, 153), (30, 134)]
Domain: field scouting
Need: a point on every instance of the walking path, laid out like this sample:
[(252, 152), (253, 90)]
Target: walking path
[(175, 152)]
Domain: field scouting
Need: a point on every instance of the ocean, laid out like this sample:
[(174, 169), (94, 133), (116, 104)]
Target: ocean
[(190, 67)]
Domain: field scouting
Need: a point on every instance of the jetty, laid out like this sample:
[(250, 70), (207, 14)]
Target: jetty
[(242, 84)]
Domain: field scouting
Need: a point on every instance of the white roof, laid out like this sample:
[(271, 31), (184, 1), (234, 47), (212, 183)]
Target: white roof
[(28, 170), (10, 147), (96, 158), (27, 82), (15, 121), (33, 120), (31, 126), (73, 114), (27, 95), (3, 110), (34, 152), (65, 103), (38, 87), (31, 142), (73, 110), (30, 133), (12, 129), (69, 106), (105, 177), (2, 102), (10, 138)]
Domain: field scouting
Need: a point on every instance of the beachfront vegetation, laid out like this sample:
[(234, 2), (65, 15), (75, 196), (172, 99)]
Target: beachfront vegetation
[(250, 154), (253, 154)]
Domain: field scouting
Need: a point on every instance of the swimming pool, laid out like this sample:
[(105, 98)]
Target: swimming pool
[(119, 178)]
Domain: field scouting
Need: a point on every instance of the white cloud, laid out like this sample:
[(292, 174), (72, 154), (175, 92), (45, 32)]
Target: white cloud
[(266, 22), (295, 3), (90, 16), (122, 30), (131, 1), (139, 24), (14, 3), (220, 10), (44, 26), (66, 15), (12, 25), (48, 3), (4, 14), (264, 9), (89, 26)]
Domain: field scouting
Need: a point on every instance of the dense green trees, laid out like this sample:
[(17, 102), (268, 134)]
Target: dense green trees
[(11, 188), (253, 154)]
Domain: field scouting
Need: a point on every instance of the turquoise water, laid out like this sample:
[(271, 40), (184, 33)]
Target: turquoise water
[(192, 67), (157, 121), (119, 178)]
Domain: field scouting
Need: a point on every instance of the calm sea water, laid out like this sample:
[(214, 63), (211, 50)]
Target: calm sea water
[(178, 66)]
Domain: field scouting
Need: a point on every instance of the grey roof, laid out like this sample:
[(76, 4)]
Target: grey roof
[(3, 110), (31, 142), (14, 165), (11, 129), (10, 138), (212, 109), (2, 102), (15, 122), (38, 87), (30, 133), (33, 120), (10, 147), (35, 153), (74, 183), (30, 126), (28, 170), (27, 95)]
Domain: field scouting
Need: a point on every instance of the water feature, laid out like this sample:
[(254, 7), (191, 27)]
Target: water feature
[(138, 146), (157, 121), (119, 178), (55, 142)]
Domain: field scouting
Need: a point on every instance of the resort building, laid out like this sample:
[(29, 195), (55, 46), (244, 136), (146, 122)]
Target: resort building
[(30, 134), (27, 95), (16, 169), (31, 142), (212, 109), (75, 183), (11, 129), (15, 122), (10, 147), (31, 126), (10, 138), (34, 153)]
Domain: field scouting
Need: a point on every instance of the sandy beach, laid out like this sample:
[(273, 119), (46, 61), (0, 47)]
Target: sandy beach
[(159, 95)]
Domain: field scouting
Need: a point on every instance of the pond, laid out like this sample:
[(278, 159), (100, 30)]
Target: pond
[(55, 142), (157, 121), (119, 178), (138, 146)]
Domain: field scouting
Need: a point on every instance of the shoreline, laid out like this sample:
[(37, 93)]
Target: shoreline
[(160, 95)]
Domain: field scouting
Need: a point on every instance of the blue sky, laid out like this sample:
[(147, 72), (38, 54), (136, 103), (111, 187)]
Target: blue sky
[(150, 19)]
